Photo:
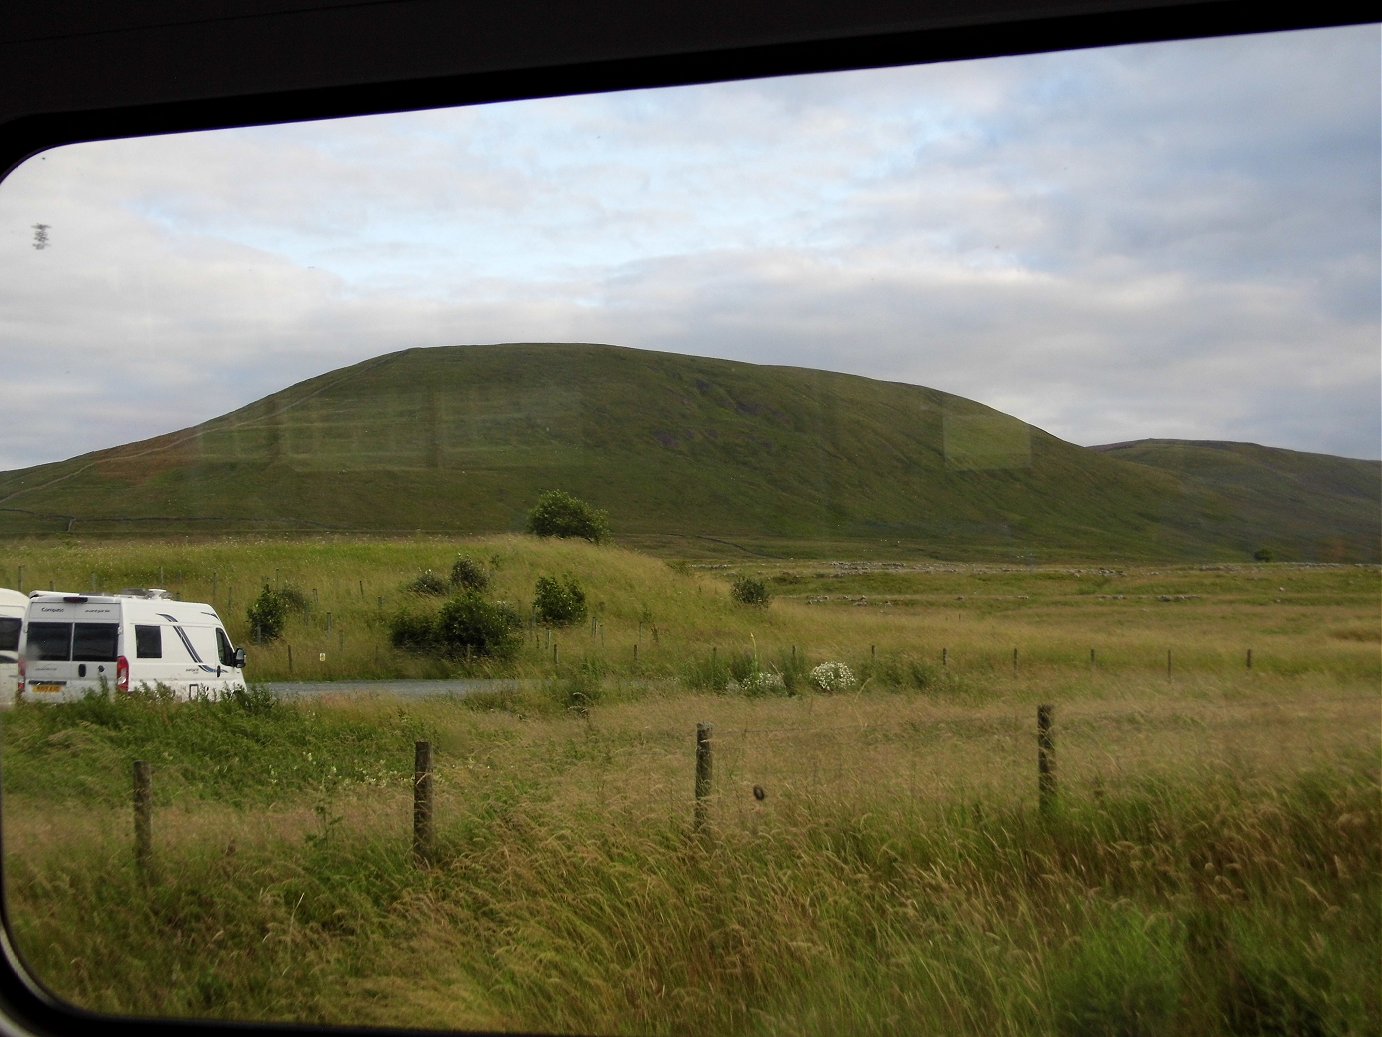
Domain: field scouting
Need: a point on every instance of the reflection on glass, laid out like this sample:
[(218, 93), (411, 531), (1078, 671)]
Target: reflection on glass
[(690, 682)]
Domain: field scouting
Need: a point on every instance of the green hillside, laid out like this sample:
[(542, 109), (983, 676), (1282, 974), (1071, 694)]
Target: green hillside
[(681, 451), (1299, 505)]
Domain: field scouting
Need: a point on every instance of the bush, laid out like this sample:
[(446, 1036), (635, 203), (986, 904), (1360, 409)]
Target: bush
[(559, 602), (469, 574), (558, 514), (469, 625), (268, 613), (413, 631), (428, 582), (830, 677), (750, 591)]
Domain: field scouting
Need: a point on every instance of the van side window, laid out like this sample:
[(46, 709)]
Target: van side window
[(148, 641), (49, 641), (224, 649), (9, 633), (95, 642)]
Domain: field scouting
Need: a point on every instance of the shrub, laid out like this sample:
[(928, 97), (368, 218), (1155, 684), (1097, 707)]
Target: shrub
[(1264, 554), (469, 625), (748, 590), (469, 574), (832, 677), (428, 582), (559, 602), (268, 613), (759, 683), (413, 631), (558, 514)]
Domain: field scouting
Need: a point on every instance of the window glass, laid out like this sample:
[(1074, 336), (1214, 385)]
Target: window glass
[(887, 408), (9, 633), (95, 642), (223, 646), (48, 641), (148, 641)]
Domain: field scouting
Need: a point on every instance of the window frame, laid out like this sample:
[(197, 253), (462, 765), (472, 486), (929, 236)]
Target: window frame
[(73, 72)]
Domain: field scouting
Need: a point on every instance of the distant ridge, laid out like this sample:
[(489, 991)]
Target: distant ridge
[(462, 439)]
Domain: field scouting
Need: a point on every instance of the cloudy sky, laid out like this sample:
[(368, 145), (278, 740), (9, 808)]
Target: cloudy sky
[(1176, 240)]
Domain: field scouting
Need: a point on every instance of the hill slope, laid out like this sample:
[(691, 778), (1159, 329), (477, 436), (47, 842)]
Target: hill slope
[(1282, 496), (463, 439)]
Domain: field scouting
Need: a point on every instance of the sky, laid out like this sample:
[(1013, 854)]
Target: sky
[(1179, 240)]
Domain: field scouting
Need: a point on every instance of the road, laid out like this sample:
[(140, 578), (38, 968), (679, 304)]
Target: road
[(404, 688)]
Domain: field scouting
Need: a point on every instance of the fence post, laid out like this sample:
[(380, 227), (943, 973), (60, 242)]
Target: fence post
[(945, 658), (422, 803), (1249, 658), (1168, 664), (143, 817), (1046, 759), (704, 760), (1014, 662), (1091, 660)]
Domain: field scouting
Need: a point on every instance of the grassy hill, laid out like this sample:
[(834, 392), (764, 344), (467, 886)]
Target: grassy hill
[(1328, 506), (685, 453)]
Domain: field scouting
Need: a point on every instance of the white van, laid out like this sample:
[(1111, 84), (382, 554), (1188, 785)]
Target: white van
[(12, 605), (75, 644)]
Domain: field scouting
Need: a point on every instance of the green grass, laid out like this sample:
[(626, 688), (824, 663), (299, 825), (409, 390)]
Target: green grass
[(652, 620), (571, 894), (872, 862)]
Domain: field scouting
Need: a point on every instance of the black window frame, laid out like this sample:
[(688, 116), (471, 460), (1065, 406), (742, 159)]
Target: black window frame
[(85, 72)]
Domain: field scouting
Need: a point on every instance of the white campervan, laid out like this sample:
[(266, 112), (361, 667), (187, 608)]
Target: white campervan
[(12, 605), (76, 644)]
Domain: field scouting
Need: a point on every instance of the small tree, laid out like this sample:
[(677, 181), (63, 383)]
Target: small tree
[(559, 602), (268, 613), (558, 514), (1264, 554)]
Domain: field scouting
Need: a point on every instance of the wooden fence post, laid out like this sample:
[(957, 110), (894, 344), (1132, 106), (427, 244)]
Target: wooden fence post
[(1046, 759), (704, 762), (422, 803), (1249, 658), (143, 817)]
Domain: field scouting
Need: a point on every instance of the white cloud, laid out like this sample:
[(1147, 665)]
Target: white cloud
[(1175, 240)]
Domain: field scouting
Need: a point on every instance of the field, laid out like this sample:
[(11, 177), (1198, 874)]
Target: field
[(872, 860)]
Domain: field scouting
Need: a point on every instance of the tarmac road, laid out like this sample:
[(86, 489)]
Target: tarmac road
[(405, 689)]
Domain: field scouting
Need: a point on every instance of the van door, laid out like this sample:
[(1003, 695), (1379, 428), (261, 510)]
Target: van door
[(66, 660)]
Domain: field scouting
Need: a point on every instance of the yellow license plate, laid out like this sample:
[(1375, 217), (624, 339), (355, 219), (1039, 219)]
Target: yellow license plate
[(46, 688)]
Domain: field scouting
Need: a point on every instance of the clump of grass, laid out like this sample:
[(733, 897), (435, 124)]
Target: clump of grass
[(1207, 905)]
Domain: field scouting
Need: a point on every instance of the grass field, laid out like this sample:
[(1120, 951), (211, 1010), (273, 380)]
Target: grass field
[(874, 861)]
